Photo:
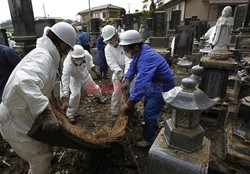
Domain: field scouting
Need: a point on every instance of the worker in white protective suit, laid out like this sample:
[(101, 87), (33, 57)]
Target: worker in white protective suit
[(25, 96), (118, 63), (76, 75)]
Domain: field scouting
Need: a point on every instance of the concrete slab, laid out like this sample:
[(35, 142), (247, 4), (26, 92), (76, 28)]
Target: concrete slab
[(237, 151), (162, 159)]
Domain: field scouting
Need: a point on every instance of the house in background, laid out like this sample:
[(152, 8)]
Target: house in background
[(104, 12), (209, 10)]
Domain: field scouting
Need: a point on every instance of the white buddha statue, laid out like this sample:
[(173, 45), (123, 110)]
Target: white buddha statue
[(222, 35), (224, 26)]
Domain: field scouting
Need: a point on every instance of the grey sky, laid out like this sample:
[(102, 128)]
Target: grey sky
[(68, 8)]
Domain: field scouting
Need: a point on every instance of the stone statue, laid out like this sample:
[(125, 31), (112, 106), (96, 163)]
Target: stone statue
[(142, 32), (221, 39), (119, 29), (152, 6)]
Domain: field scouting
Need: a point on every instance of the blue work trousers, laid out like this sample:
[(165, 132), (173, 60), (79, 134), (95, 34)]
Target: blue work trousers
[(152, 109)]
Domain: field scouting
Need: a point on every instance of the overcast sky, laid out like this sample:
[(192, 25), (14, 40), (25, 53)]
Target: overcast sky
[(68, 8)]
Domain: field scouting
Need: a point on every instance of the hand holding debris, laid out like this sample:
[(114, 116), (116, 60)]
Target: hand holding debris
[(50, 122), (120, 76), (128, 108)]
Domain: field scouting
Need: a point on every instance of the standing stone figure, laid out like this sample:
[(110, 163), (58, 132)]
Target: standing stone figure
[(224, 26), (142, 33)]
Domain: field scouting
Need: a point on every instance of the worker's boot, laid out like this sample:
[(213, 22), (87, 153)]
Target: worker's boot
[(71, 119), (143, 143)]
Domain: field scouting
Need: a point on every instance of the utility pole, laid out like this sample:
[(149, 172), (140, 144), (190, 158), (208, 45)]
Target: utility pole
[(44, 11), (89, 17)]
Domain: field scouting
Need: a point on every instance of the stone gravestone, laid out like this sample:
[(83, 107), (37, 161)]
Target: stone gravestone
[(194, 18), (159, 24), (3, 37), (201, 29), (129, 21), (150, 26), (41, 23), (24, 25), (183, 41), (187, 21), (239, 16), (175, 19), (95, 25), (118, 22), (95, 30)]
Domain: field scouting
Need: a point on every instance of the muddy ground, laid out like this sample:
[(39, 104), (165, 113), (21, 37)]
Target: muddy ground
[(125, 158)]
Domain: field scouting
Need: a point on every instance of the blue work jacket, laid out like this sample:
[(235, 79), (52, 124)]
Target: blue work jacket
[(153, 74), (8, 61)]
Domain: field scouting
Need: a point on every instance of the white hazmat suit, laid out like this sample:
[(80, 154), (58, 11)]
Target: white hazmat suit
[(25, 96), (74, 78), (117, 62)]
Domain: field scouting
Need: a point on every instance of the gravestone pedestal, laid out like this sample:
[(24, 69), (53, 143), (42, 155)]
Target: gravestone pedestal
[(215, 76), (236, 150), (238, 137), (24, 44), (162, 159), (214, 83)]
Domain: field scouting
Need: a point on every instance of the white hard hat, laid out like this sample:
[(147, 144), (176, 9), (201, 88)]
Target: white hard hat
[(65, 32), (130, 37), (108, 32), (79, 28), (78, 52)]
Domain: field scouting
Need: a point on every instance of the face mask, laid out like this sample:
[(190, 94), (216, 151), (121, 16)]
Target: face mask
[(113, 42), (78, 62), (129, 55)]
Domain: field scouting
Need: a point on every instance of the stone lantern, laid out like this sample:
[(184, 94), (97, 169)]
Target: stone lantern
[(183, 130), (181, 147), (197, 72), (196, 55), (202, 42), (183, 70)]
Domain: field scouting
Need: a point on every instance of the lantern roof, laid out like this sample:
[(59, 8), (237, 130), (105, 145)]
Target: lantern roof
[(188, 97)]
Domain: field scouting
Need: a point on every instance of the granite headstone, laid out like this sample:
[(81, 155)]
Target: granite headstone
[(184, 41), (129, 21), (159, 24), (239, 16), (3, 37), (41, 23), (150, 26), (22, 17), (95, 25), (175, 19)]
